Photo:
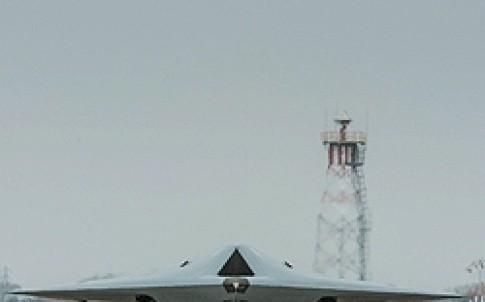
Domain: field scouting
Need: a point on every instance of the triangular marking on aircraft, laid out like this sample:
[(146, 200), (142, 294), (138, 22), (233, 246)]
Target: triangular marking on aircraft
[(236, 265)]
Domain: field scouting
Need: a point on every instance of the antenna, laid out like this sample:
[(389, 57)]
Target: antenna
[(367, 122), (325, 119)]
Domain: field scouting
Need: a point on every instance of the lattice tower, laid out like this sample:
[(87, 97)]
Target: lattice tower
[(343, 224)]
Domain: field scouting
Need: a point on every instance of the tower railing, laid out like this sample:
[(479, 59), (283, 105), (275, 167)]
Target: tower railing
[(334, 137)]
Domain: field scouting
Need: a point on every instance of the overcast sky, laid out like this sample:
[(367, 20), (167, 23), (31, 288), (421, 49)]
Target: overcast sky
[(134, 135)]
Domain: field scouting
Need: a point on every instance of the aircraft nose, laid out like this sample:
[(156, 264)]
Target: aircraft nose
[(235, 285)]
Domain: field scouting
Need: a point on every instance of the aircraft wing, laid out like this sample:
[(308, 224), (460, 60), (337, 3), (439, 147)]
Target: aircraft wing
[(233, 273)]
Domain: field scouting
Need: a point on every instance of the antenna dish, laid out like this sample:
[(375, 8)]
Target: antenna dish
[(342, 118)]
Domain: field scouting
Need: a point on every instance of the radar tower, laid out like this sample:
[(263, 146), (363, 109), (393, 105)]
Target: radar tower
[(343, 223)]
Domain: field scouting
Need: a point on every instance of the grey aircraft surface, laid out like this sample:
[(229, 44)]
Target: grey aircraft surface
[(233, 273)]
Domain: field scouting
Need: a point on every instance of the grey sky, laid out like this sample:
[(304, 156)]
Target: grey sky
[(136, 134)]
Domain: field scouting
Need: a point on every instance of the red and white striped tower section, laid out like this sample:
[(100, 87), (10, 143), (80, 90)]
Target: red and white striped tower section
[(343, 224)]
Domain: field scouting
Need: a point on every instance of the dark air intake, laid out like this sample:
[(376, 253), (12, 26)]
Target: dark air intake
[(236, 266), (144, 298)]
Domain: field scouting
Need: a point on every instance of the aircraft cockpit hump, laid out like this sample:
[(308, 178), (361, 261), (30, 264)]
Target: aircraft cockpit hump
[(236, 265)]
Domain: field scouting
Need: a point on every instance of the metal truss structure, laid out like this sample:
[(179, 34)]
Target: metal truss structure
[(343, 224)]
